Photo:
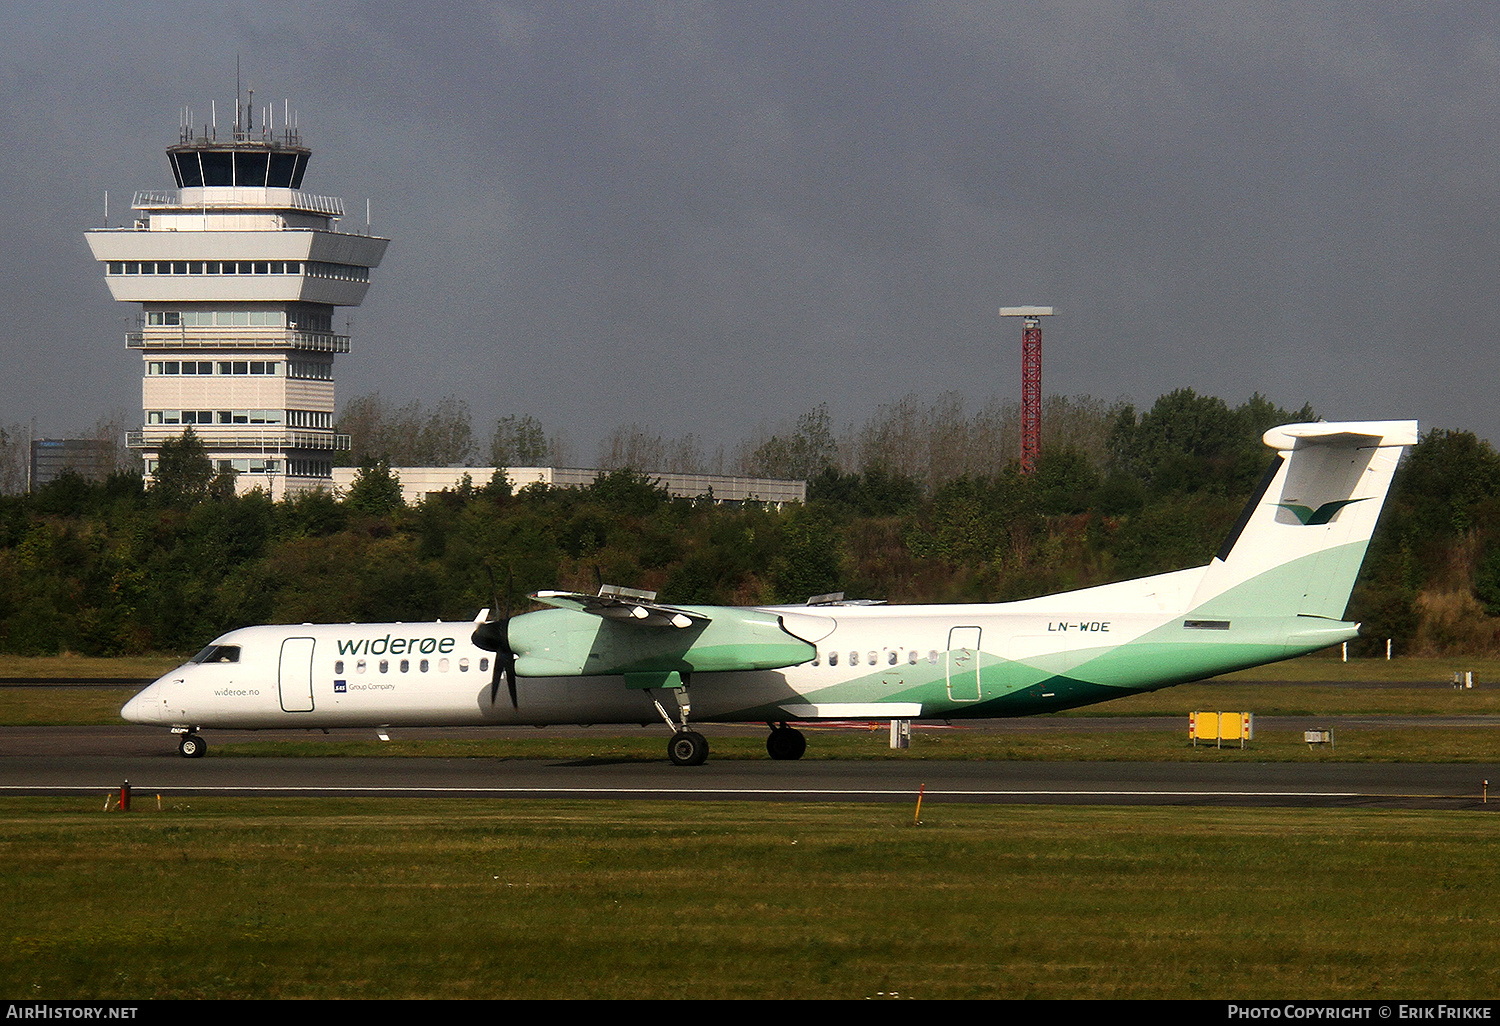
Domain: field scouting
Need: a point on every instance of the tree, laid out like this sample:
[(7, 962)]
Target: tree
[(184, 473), (376, 492), (408, 436), (635, 447), (447, 435), (628, 492), (805, 452), (518, 442), (14, 459)]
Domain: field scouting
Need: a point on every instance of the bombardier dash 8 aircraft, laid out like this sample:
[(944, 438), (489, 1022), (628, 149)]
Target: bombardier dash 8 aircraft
[(1276, 589)]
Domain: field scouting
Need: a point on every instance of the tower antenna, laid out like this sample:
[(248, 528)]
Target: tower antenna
[(1031, 380)]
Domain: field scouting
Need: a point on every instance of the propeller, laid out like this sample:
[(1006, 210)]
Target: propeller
[(493, 635)]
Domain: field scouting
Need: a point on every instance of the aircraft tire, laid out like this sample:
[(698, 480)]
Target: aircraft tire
[(191, 746), (687, 748), (785, 743)]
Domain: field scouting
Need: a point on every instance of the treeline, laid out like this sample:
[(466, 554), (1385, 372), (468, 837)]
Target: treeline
[(929, 442), (917, 505)]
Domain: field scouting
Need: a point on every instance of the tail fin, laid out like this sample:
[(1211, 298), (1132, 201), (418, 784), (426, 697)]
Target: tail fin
[(1300, 542)]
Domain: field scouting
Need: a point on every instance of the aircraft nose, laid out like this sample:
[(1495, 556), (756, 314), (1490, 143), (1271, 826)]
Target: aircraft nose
[(145, 707)]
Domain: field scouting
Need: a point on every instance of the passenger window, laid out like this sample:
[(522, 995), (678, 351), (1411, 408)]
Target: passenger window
[(463, 666), (484, 664), (833, 658), (911, 657), (359, 667), (853, 658), (406, 666), (338, 666), (385, 666), (874, 659), (423, 665), (891, 659), (442, 666), (932, 657)]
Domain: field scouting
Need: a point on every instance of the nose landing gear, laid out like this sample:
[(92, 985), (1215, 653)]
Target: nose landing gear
[(687, 748)]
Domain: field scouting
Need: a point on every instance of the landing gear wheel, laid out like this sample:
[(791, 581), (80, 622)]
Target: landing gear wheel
[(786, 743), (687, 748), (191, 746)]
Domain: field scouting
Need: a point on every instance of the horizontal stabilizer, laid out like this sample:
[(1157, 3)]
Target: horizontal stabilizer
[(1346, 433)]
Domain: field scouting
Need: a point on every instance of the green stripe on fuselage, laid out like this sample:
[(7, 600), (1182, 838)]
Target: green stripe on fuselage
[(1263, 627)]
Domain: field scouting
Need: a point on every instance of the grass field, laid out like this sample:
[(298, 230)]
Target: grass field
[(225, 898), (290, 898), (1407, 690), (1406, 744)]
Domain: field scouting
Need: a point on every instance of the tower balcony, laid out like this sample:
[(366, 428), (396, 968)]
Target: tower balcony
[(179, 339), (237, 198), (238, 439)]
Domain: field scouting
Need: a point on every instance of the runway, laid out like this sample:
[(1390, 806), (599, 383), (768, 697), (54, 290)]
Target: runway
[(96, 760)]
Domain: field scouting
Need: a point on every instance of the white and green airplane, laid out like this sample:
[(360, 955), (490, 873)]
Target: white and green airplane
[(1277, 588)]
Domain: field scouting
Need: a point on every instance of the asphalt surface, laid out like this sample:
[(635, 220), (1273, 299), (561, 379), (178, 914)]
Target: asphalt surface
[(96, 760)]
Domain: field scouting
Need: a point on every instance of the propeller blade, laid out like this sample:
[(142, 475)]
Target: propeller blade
[(492, 636), (489, 635)]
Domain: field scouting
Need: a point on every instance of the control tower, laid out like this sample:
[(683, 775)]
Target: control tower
[(238, 273)]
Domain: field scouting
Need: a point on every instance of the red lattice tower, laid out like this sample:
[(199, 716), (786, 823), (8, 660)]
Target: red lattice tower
[(1031, 380)]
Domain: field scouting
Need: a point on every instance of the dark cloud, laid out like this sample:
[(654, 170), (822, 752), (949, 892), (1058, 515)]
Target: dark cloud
[(701, 216)]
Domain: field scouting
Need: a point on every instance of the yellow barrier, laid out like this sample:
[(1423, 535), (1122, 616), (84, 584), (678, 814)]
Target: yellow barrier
[(1219, 727)]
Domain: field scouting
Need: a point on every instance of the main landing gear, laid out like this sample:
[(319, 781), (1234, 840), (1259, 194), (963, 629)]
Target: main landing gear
[(785, 742), (690, 748)]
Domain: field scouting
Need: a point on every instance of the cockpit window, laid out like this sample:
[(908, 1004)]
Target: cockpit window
[(218, 654)]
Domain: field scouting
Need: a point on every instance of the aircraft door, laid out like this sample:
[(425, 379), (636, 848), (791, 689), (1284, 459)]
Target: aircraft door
[(963, 664), (296, 675)]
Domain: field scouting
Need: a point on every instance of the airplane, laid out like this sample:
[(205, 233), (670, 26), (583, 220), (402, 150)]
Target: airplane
[(1277, 588)]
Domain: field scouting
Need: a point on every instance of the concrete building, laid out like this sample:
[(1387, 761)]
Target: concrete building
[(418, 483), (238, 275), (51, 458)]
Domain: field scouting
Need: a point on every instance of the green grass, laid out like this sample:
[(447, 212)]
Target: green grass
[(32, 706), (1406, 744), (1300, 699), (146, 667), (1326, 666), (1408, 690), (291, 898)]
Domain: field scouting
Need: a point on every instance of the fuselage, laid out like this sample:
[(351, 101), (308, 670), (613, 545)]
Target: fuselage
[(898, 662)]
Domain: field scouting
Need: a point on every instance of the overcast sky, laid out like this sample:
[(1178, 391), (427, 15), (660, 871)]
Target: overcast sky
[(704, 217)]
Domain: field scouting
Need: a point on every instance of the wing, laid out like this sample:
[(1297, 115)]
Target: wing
[(620, 605), (629, 632)]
